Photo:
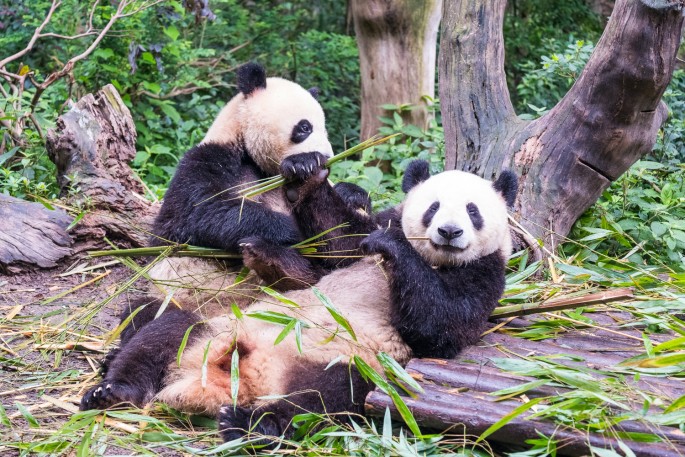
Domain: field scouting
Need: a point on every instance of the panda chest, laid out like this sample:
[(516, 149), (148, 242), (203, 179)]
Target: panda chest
[(275, 201)]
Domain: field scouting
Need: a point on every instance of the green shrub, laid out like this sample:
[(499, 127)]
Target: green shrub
[(379, 170)]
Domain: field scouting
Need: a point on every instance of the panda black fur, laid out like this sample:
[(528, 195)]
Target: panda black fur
[(272, 126), (431, 296)]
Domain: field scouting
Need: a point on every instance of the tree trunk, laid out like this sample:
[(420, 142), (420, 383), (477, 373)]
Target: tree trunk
[(605, 123), (397, 46)]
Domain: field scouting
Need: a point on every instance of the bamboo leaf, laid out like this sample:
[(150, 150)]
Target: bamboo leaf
[(334, 312), (391, 366), (278, 296), (236, 310), (679, 403), (288, 328), (369, 373), (235, 376), (508, 418), (271, 316), (182, 347)]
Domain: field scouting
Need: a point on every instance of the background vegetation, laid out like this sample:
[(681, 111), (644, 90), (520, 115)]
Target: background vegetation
[(174, 66)]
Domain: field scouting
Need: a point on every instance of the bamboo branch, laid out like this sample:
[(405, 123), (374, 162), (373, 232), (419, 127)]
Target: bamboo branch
[(600, 298)]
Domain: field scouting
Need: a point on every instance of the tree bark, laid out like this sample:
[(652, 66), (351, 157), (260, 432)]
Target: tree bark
[(604, 124), (91, 146), (397, 46)]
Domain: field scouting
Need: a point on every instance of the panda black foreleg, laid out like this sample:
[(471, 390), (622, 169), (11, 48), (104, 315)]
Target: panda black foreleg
[(338, 391), (222, 225), (438, 312), (137, 371), (318, 207)]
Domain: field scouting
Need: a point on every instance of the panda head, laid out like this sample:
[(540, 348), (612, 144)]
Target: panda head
[(278, 118), (457, 217)]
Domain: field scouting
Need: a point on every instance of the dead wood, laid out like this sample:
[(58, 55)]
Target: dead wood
[(456, 392), (31, 235), (91, 146)]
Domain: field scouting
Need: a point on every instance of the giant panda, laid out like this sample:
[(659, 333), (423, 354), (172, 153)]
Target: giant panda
[(430, 280), (271, 126)]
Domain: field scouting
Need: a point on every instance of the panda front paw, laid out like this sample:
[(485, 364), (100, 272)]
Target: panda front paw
[(236, 423), (108, 394), (300, 167), (385, 242), (354, 196)]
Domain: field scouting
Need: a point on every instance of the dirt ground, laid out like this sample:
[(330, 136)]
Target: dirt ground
[(51, 340)]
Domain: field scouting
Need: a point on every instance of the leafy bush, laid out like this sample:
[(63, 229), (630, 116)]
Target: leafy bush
[(379, 170), (536, 28), (541, 88)]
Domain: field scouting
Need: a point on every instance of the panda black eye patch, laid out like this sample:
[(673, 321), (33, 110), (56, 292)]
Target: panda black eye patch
[(474, 214), (301, 131), (430, 212)]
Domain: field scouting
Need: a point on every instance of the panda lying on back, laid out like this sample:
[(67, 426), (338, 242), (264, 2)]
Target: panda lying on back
[(431, 296), (272, 126)]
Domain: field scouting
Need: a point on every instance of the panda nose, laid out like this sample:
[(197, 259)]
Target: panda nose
[(450, 232)]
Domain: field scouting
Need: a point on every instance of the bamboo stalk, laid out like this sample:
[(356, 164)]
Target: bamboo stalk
[(278, 180), (525, 309)]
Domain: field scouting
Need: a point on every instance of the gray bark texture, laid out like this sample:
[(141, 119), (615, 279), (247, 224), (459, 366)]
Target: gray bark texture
[(606, 122), (397, 42), (31, 235)]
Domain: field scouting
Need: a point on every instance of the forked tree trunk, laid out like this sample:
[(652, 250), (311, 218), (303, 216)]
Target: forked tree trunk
[(604, 124), (397, 45)]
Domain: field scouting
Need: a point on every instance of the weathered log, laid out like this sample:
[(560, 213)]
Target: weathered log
[(568, 157), (457, 391), (31, 235), (91, 146), (397, 47), (471, 413)]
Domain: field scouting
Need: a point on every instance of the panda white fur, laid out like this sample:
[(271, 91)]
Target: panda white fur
[(430, 296), (271, 126)]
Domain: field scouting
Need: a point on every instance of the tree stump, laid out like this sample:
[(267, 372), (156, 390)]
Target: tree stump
[(91, 146), (31, 235)]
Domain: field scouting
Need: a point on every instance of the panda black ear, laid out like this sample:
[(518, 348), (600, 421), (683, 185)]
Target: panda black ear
[(315, 91), (251, 76), (417, 172), (507, 185)]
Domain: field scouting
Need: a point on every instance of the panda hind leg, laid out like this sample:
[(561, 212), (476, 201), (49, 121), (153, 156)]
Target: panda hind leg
[(136, 373), (282, 268), (338, 391)]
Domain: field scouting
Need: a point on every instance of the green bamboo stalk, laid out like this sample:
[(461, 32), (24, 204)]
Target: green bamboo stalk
[(259, 189)]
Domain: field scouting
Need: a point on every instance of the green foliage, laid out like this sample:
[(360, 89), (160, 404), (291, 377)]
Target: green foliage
[(535, 28), (379, 170), (174, 72), (541, 88)]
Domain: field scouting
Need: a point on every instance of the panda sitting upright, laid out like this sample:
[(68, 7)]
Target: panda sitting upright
[(442, 275), (272, 126)]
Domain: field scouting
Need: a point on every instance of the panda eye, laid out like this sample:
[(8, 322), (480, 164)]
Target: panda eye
[(301, 131), (471, 208)]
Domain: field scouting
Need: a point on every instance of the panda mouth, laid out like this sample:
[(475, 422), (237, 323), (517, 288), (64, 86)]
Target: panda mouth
[(447, 247)]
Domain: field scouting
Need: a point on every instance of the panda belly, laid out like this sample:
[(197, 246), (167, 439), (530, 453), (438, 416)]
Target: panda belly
[(360, 294), (205, 286)]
